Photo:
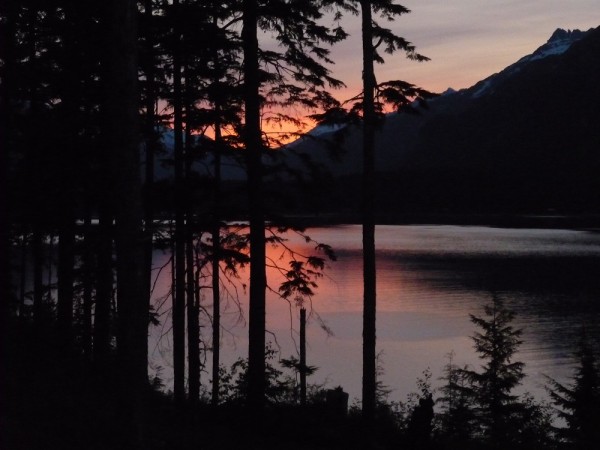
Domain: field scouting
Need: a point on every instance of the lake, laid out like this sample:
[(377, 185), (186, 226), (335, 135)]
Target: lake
[(430, 278)]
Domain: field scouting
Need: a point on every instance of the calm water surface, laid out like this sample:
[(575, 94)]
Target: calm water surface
[(430, 278)]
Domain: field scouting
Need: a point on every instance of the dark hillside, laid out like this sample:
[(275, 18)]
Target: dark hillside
[(525, 140), (532, 143)]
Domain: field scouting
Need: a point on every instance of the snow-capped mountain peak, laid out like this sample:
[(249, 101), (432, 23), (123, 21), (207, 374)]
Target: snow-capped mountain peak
[(560, 41), (320, 130)]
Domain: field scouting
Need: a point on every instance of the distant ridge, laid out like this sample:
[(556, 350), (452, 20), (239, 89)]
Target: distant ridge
[(523, 139)]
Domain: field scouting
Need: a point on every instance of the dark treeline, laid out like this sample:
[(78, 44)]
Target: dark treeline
[(88, 90)]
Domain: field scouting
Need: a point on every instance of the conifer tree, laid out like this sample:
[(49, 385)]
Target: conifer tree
[(151, 65), (121, 127), (8, 12), (31, 58), (179, 256), (222, 96), (368, 216), (370, 102), (293, 76), (492, 387), (579, 402), (253, 142), (71, 140), (457, 418)]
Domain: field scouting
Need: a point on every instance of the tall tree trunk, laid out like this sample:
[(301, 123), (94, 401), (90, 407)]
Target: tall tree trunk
[(107, 192), (7, 137), (23, 270), (216, 234), (368, 217), (193, 324), (105, 280), (8, 56), (179, 297), (193, 319), (66, 261), (216, 257), (253, 144), (70, 106), (38, 273), (303, 356), (33, 142), (151, 139), (87, 281), (122, 129)]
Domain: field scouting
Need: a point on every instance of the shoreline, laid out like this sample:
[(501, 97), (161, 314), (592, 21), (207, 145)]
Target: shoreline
[(584, 222)]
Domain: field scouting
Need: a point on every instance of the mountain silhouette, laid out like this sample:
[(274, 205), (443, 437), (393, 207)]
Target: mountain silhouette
[(526, 139)]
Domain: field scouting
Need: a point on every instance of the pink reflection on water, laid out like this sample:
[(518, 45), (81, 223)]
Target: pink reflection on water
[(407, 345), (428, 284)]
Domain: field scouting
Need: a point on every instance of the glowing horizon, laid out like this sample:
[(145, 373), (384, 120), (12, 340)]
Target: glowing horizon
[(466, 41)]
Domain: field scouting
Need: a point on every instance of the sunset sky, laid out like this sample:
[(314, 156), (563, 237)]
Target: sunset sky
[(467, 40)]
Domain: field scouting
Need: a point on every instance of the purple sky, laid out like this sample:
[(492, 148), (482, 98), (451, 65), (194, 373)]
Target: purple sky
[(467, 40)]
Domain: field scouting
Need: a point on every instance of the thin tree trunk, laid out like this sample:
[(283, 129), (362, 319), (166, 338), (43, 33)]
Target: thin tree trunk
[(193, 318), (51, 265), (66, 261), (303, 356), (107, 192), (179, 297), (216, 238), (216, 257), (70, 135), (87, 262), (151, 145), (22, 278), (253, 143), (193, 325), (34, 148), (38, 273), (8, 49), (122, 129), (368, 218), (104, 287)]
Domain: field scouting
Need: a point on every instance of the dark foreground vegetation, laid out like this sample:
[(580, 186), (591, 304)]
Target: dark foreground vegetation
[(52, 400)]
